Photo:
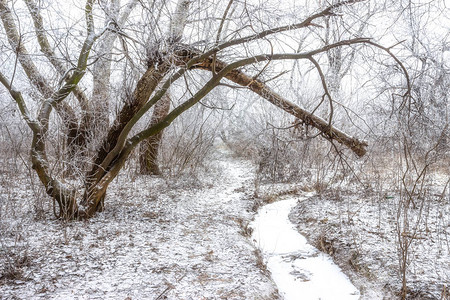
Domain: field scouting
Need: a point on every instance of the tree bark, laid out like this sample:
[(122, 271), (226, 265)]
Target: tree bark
[(116, 147), (149, 149), (145, 87), (65, 111)]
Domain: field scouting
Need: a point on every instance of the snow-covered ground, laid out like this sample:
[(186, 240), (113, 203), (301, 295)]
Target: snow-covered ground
[(191, 239), (359, 230), (155, 240), (299, 270)]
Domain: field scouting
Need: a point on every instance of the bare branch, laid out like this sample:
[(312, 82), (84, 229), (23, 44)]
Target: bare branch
[(15, 41), (80, 70), (17, 96), (222, 21), (49, 53), (325, 88), (259, 87), (305, 23)]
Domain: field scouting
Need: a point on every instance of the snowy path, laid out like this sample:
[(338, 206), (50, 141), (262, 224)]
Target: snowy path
[(153, 241), (157, 240), (300, 271)]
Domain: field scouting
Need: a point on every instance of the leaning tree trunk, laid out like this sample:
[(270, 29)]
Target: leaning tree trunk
[(116, 146), (93, 197), (149, 148)]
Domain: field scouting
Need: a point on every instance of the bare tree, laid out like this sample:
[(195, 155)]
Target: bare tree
[(237, 58)]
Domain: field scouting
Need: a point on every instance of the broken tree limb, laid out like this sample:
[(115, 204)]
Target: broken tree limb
[(260, 88)]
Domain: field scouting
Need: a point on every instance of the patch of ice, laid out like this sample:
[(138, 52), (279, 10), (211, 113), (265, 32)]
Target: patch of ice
[(299, 270)]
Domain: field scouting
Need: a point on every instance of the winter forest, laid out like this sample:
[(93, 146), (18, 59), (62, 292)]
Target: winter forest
[(224, 149)]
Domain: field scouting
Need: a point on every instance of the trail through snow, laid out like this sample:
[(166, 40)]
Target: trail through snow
[(155, 240), (300, 271)]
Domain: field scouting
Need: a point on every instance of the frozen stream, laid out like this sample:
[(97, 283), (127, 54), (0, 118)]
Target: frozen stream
[(300, 271)]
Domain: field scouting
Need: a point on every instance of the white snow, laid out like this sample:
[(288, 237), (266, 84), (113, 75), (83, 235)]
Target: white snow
[(360, 227), (299, 270), (188, 240), (155, 240)]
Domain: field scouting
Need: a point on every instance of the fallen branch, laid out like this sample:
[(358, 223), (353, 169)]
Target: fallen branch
[(260, 88)]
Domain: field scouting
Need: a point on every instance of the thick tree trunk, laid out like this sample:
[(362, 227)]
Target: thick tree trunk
[(102, 73), (145, 87), (149, 149)]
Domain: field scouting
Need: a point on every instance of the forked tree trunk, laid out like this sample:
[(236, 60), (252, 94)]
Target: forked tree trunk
[(94, 194), (149, 148), (116, 147)]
